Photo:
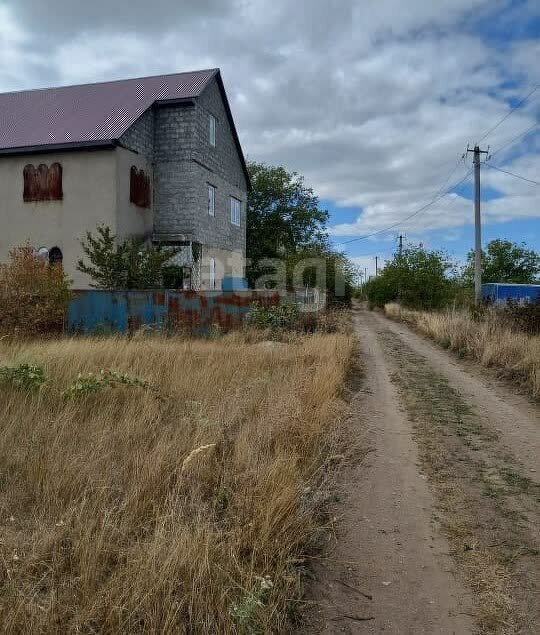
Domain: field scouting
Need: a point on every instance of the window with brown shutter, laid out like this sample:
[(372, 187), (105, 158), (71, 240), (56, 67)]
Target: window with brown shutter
[(139, 188), (43, 183)]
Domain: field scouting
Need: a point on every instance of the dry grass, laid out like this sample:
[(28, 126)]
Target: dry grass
[(489, 341), (116, 519)]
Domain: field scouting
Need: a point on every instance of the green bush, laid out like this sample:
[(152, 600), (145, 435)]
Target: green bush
[(417, 278), (281, 316), (23, 376), (90, 384), (127, 264)]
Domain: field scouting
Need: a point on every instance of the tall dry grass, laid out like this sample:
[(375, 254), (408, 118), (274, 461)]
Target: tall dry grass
[(109, 527), (490, 340)]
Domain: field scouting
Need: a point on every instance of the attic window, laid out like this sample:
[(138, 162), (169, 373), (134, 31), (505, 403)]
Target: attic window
[(42, 183), (139, 187), (212, 130)]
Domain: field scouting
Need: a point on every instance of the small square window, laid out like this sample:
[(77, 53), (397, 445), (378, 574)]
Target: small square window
[(211, 200), (212, 130), (236, 207)]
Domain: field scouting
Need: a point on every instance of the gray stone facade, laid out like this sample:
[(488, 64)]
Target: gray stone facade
[(175, 138)]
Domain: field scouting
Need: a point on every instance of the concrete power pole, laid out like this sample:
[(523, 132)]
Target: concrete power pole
[(376, 266), (477, 224), (400, 248)]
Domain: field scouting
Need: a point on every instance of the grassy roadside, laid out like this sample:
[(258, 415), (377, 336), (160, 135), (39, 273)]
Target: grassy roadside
[(493, 344), (178, 496), (487, 508)]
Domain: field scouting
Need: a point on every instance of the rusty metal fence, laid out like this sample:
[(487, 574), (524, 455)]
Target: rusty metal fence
[(93, 311)]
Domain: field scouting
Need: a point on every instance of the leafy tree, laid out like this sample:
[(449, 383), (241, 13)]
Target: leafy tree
[(129, 264), (321, 267), (505, 261), (286, 223), (283, 217), (418, 278)]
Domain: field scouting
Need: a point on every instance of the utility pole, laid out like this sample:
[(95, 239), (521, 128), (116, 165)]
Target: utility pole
[(376, 266), (365, 274), (400, 252), (477, 224)]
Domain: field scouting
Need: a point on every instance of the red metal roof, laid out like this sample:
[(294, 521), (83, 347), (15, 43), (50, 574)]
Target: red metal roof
[(89, 113)]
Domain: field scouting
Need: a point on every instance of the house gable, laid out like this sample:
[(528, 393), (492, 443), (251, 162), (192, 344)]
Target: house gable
[(173, 127), (226, 158)]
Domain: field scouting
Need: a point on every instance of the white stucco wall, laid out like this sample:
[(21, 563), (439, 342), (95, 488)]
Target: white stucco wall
[(96, 191), (130, 219), (96, 187), (89, 187), (228, 264)]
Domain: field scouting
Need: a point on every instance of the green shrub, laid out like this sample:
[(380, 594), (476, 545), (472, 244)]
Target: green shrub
[(244, 612), (417, 278), (90, 384), (281, 316), (288, 317), (126, 264), (23, 376)]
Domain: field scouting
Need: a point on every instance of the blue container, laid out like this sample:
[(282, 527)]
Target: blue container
[(500, 293)]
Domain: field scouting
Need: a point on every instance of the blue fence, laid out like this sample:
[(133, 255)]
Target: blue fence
[(499, 293), (194, 311)]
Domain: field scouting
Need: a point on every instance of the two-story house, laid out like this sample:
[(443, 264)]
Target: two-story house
[(157, 157)]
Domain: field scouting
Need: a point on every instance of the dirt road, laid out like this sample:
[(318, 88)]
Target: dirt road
[(438, 528)]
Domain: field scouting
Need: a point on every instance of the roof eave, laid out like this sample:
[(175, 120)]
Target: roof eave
[(60, 147)]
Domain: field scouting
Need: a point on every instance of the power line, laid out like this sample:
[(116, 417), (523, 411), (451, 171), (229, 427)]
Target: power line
[(508, 143), (415, 213), (446, 181), (508, 114), (494, 167), (440, 194)]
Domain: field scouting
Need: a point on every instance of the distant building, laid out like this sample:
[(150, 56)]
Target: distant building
[(503, 292), (156, 157)]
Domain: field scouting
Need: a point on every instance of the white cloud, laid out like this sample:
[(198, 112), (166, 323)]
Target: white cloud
[(16, 58), (372, 101)]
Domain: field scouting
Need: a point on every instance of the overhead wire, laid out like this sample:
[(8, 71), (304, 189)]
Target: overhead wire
[(517, 176), (407, 218), (514, 139), (510, 112), (447, 180), (440, 194)]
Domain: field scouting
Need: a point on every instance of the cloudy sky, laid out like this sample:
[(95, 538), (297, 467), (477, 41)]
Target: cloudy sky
[(374, 101)]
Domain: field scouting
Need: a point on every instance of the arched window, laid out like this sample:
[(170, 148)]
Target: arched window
[(55, 256), (139, 188)]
